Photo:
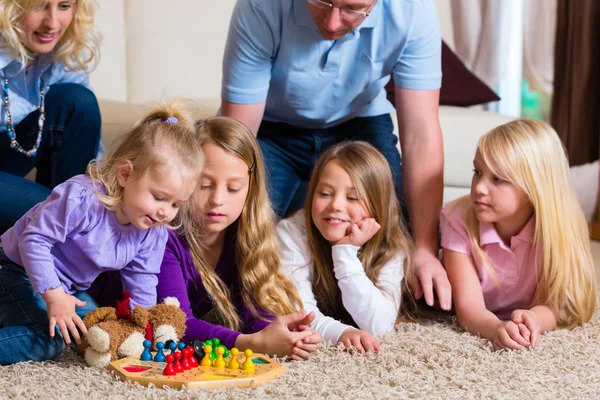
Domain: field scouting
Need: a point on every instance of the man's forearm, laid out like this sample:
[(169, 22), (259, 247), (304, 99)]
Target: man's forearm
[(249, 114), (422, 175)]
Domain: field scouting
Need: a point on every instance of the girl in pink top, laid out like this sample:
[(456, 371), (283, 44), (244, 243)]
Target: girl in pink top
[(517, 249)]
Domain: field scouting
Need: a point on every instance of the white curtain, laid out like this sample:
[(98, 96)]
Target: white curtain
[(502, 41)]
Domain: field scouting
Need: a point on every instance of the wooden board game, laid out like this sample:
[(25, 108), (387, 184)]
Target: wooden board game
[(132, 369)]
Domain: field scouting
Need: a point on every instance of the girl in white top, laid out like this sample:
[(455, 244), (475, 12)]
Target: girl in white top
[(347, 249)]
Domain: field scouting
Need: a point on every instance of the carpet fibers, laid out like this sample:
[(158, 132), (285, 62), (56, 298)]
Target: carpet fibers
[(425, 360)]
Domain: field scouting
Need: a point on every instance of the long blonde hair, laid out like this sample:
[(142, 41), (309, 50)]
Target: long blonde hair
[(262, 284), (77, 49), (529, 154), (142, 146), (372, 177)]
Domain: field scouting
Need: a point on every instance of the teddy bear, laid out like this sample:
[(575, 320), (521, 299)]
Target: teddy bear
[(115, 333)]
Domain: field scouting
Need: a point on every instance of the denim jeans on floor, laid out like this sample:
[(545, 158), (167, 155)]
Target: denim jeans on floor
[(23, 318), (291, 152), (70, 140)]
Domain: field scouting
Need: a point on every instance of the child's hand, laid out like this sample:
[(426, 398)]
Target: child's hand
[(511, 335), (527, 318), (281, 336), (360, 232), (362, 341), (61, 312), (304, 348), (362, 227)]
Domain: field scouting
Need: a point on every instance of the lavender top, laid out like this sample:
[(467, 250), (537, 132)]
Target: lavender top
[(179, 278), (71, 237)]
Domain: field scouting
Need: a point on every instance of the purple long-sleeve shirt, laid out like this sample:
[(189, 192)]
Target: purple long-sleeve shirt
[(179, 278), (71, 237)]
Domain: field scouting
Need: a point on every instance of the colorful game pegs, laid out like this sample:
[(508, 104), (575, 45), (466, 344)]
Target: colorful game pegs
[(146, 355), (160, 356), (169, 371), (219, 362), (192, 359), (234, 363), (248, 365), (206, 361)]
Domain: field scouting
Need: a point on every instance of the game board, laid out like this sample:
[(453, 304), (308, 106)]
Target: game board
[(132, 369)]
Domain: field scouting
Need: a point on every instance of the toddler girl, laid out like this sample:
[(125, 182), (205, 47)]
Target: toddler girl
[(517, 249), (347, 249), (113, 218)]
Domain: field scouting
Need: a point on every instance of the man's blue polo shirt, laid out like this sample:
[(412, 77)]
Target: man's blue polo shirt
[(275, 52)]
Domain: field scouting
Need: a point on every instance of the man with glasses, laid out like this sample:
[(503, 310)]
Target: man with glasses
[(305, 74)]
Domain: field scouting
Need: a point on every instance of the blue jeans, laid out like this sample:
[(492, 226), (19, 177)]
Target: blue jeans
[(290, 154), (70, 140), (24, 320)]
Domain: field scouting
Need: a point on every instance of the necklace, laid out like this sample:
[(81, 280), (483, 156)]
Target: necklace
[(10, 127)]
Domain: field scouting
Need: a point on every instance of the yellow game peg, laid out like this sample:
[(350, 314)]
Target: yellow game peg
[(248, 365), (219, 361), (206, 361), (234, 363)]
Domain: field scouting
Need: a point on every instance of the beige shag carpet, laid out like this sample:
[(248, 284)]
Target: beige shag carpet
[(425, 360)]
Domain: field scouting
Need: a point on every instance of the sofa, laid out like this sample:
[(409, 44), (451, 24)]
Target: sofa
[(154, 50)]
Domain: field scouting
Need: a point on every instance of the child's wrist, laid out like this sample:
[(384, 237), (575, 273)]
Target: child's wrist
[(247, 341), (53, 294)]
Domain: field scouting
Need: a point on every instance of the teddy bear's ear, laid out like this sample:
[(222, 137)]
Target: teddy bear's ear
[(172, 301), (99, 315)]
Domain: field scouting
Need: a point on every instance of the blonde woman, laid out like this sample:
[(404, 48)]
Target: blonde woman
[(223, 265), (347, 249), (111, 219), (49, 118), (517, 249)]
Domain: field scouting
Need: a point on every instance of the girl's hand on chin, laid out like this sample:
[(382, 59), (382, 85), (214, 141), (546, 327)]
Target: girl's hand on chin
[(360, 232)]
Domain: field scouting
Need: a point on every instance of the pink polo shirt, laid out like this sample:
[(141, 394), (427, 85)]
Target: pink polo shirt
[(514, 266)]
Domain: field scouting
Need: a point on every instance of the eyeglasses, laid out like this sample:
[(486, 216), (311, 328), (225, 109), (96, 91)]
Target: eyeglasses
[(348, 14)]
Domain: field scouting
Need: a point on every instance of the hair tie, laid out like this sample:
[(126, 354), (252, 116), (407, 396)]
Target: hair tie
[(172, 120)]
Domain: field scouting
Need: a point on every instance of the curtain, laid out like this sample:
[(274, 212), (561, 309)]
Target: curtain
[(576, 98)]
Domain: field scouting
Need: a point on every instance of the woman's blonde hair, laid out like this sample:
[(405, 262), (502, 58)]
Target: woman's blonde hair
[(262, 284), (165, 128), (77, 48), (372, 178), (529, 154)]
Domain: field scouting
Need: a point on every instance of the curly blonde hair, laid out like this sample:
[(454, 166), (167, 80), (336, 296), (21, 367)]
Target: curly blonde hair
[(372, 177), (142, 146), (77, 48), (263, 286)]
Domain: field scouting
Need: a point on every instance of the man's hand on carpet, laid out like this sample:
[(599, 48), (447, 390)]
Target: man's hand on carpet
[(360, 340), (430, 274)]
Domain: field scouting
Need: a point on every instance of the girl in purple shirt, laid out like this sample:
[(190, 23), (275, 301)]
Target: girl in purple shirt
[(224, 264), (517, 250), (113, 218)]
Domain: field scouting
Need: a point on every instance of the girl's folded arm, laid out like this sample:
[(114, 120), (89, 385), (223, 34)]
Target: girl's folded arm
[(298, 266), (469, 303), (373, 308), (172, 283)]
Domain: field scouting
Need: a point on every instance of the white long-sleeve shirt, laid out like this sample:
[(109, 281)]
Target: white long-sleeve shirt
[(374, 310)]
